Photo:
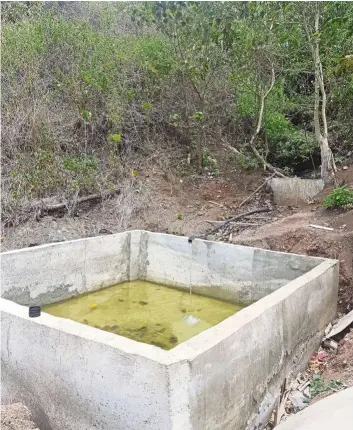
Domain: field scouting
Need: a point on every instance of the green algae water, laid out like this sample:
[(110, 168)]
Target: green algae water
[(145, 312)]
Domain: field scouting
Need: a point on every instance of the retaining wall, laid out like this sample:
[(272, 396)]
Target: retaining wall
[(294, 191)]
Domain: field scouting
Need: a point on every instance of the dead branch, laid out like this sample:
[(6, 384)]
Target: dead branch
[(257, 189), (231, 148), (225, 223), (43, 207), (240, 224), (215, 203), (321, 227), (50, 208)]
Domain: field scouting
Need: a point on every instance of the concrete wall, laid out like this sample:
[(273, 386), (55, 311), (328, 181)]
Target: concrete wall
[(230, 272), (235, 382), (294, 191), (50, 273), (74, 376)]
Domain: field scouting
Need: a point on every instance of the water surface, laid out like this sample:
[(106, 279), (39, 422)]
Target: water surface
[(146, 312)]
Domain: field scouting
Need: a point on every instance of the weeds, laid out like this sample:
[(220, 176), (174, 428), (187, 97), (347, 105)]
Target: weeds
[(318, 385), (248, 162), (338, 198), (69, 90)]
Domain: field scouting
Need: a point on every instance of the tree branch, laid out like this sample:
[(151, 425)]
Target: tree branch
[(258, 128), (208, 233)]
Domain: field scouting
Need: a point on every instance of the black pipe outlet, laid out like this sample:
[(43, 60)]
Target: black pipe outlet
[(34, 311)]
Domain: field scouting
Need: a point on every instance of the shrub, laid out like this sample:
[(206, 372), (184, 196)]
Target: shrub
[(288, 145), (340, 197), (70, 88), (247, 162)]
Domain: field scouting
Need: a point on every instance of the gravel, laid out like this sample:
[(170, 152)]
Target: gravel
[(16, 417)]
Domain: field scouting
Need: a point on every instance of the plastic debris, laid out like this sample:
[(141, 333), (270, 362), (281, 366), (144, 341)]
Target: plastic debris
[(299, 400)]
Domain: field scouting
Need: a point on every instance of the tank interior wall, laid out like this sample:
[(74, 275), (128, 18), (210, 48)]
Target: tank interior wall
[(50, 273), (230, 272)]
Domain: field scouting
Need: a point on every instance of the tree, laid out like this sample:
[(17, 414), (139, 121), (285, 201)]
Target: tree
[(189, 27), (310, 14), (253, 50)]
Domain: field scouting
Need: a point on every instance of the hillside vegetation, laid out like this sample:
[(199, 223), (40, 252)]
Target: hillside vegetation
[(92, 91)]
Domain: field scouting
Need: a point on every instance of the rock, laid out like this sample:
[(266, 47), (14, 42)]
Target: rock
[(330, 344), (16, 417), (104, 231), (298, 399)]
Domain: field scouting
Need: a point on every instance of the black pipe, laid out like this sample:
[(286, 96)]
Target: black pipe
[(34, 311)]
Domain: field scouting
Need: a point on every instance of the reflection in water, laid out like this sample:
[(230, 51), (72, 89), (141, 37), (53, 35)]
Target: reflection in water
[(145, 312)]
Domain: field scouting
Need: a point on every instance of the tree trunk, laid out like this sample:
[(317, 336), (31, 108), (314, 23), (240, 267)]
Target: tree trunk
[(327, 162), (199, 151), (328, 166)]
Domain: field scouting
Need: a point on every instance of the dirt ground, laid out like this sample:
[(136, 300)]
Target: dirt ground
[(339, 364), (16, 417), (195, 205)]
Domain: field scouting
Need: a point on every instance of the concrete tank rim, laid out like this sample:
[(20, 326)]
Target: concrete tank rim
[(197, 240), (186, 351)]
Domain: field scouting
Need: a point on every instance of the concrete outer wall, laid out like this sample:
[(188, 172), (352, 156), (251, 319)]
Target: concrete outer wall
[(294, 191), (235, 382), (75, 377)]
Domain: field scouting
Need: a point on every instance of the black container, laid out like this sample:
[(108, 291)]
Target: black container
[(34, 311)]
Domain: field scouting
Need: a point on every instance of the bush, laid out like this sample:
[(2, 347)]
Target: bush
[(288, 145), (340, 197), (69, 88)]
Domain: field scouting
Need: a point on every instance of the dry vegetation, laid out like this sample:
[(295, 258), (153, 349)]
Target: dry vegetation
[(93, 92)]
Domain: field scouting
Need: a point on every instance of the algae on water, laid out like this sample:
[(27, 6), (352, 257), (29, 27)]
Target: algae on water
[(146, 312)]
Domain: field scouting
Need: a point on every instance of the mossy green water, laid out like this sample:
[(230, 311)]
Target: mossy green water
[(146, 312)]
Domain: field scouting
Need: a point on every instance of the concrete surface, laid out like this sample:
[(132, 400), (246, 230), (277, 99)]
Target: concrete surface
[(333, 412), (294, 191), (49, 273), (231, 272), (228, 377)]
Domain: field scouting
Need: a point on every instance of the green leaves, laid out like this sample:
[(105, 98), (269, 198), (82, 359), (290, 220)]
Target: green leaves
[(146, 106), (198, 116), (114, 138), (340, 197), (80, 164), (318, 385), (86, 115)]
